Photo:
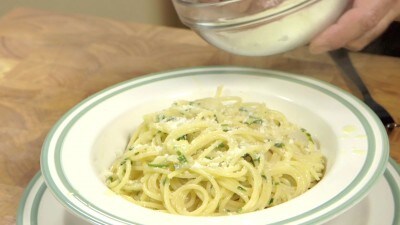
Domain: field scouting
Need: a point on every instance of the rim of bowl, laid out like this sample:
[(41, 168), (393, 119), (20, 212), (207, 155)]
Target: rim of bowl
[(334, 91), (258, 17)]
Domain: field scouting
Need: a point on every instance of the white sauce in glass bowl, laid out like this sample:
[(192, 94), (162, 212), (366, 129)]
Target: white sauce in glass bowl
[(278, 36)]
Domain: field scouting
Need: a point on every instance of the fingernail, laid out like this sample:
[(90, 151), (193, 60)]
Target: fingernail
[(319, 49)]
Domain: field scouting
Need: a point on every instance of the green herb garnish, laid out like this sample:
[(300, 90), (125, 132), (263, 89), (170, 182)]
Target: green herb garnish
[(160, 117), (253, 120), (182, 159), (225, 127), (110, 179), (248, 158), (241, 188), (155, 165), (221, 145), (216, 118), (279, 145), (270, 201), (184, 137), (308, 135), (243, 109), (123, 162), (170, 119)]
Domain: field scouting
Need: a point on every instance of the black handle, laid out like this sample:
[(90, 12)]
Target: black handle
[(343, 61)]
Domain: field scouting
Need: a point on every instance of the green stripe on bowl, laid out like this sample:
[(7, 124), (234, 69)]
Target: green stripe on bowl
[(25, 195), (395, 188), (35, 205), (208, 71)]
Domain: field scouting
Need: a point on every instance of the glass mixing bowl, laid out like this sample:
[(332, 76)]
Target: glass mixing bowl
[(258, 27)]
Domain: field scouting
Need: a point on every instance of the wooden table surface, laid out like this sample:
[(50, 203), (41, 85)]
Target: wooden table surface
[(49, 62)]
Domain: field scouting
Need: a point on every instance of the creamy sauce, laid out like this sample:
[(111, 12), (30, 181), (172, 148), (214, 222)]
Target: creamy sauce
[(349, 129)]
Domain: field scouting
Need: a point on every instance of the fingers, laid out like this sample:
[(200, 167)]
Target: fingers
[(366, 17), (361, 42), (367, 38)]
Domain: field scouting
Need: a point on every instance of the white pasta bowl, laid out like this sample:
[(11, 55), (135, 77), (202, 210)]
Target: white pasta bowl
[(87, 139)]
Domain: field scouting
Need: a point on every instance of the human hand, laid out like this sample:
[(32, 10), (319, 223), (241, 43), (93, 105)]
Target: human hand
[(357, 27)]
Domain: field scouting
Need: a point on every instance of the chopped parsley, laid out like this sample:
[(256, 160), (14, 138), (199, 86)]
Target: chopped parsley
[(216, 118), (184, 137), (270, 201), (253, 120), (243, 109), (225, 127), (123, 162), (155, 165), (195, 103), (160, 117), (182, 159), (279, 145), (110, 179), (222, 145), (308, 135), (241, 188), (248, 158)]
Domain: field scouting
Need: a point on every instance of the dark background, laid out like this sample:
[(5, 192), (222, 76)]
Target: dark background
[(388, 43)]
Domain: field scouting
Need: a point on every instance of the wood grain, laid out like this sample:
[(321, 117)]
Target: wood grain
[(49, 62)]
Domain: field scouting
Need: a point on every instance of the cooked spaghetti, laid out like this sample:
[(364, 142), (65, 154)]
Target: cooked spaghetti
[(216, 156)]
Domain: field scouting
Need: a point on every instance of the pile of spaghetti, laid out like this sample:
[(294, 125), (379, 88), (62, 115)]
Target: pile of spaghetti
[(216, 156)]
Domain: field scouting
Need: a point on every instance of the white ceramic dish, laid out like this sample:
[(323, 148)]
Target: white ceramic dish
[(89, 137), (38, 206)]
